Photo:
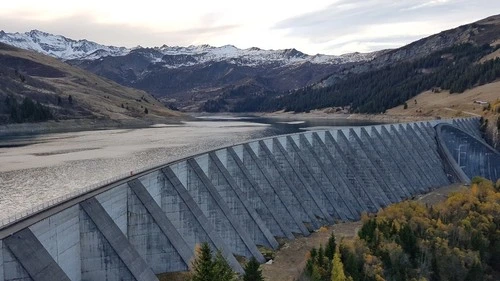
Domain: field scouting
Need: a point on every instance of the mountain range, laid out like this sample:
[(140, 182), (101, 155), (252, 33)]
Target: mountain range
[(187, 77), (66, 49), (207, 78)]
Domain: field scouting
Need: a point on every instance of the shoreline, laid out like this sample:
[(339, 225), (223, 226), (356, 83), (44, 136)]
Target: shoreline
[(82, 125), (321, 114)]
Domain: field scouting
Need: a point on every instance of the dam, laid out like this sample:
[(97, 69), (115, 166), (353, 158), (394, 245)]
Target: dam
[(238, 199)]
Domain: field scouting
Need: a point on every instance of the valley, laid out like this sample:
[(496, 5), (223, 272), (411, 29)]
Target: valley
[(181, 160)]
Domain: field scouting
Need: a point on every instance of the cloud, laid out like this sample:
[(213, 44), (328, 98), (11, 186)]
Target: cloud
[(320, 26), (84, 26), (359, 22), (200, 31)]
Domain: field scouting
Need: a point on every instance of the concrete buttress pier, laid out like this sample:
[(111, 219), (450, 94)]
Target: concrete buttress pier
[(240, 198)]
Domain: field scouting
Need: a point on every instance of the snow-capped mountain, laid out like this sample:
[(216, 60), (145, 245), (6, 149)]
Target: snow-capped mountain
[(59, 46), (169, 56), (192, 77), (176, 56)]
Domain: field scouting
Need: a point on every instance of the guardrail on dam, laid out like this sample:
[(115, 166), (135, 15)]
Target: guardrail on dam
[(235, 198)]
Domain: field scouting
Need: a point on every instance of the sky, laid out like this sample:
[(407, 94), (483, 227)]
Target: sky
[(314, 26)]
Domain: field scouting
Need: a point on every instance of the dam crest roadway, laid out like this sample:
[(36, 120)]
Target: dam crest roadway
[(239, 198)]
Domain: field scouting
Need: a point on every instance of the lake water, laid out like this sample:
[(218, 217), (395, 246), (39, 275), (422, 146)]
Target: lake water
[(38, 169)]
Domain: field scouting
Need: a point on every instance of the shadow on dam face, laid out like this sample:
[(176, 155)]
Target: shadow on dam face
[(238, 198)]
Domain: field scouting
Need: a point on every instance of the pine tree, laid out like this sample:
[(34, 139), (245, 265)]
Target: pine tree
[(314, 253), (221, 269), (252, 271), (330, 247), (321, 256), (316, 274), (337, 267), (203, 266)]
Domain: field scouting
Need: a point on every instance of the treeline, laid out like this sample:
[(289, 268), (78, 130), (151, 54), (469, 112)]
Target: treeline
[(457, 240), (455, 69), (26, 111)]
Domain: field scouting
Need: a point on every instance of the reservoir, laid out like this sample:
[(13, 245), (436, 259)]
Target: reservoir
[(36, 169)]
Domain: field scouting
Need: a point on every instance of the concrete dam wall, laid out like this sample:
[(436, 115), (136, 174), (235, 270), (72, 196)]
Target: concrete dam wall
[(236, 199)]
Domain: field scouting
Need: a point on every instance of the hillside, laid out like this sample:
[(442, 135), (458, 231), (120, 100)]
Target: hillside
[(218, 79), (452, 240), (455, 69), (485, 31), (188, 77), (454, 60), (67, 92)]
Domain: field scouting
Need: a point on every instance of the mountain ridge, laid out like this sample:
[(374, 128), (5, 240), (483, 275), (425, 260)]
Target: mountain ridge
[(207, 78), (189, 77), (66, 48)]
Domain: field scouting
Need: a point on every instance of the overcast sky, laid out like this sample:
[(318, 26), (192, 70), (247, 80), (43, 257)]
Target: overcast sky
[(311, 26)]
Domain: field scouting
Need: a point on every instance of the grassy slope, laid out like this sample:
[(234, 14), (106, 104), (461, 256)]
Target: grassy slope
[(99, 98), (444, 105), (447, 105)]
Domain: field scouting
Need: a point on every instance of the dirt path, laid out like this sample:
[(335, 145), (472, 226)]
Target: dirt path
[(291, 258), (466, 112)]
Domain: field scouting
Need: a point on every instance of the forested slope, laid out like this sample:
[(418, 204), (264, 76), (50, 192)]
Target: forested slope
[(455, 69)]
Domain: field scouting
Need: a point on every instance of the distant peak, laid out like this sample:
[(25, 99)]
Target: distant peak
[(38, 32), (293, 53)]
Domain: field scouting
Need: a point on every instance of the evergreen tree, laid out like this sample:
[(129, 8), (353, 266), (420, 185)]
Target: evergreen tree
[(203, 266), (314, 253), (408, 241), (252, 271), (330, 247), (222, 270), (321, 256), (337, 267), (316, 274)]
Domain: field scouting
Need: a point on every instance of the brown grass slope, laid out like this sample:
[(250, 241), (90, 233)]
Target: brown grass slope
[(431, 105), (50, 82)]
